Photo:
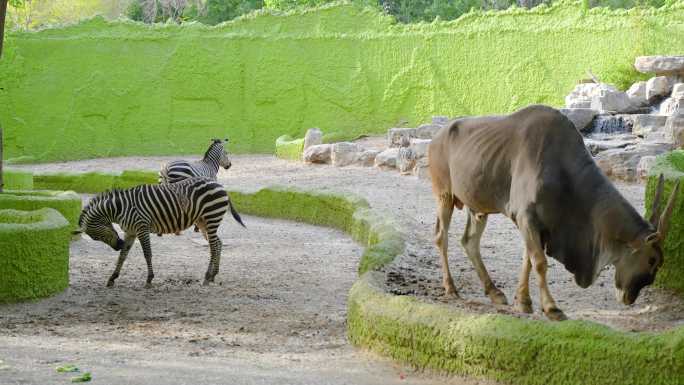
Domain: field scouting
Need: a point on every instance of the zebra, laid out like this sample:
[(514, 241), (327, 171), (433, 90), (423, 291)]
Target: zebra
[(165, 208), (215, 157)]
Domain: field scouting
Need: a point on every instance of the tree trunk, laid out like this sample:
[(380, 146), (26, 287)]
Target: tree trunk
[(3, 13)]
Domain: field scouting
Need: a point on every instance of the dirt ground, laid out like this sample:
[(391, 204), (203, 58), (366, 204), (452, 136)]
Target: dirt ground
[(277, 313)]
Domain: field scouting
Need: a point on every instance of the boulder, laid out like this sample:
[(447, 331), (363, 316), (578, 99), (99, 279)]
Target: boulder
[(395, 136), (422, 169), (406, 160), (313, 137), (645, 164), (420, 147), (582, 94), (622, 163), (345, 153), (367, 158), (319, 153), (580, 117), (637, 94), (668, 106), (645, 123), (659, 65), (387, 158), (674, 129), (658, 86), (611, 100), (427, 131), (440, 120)]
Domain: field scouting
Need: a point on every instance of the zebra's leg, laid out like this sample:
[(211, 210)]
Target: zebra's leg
[(201, 225), (214, 249), (144, 237), (129, 239)]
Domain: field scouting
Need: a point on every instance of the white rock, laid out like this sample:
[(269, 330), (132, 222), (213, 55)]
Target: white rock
[(387, 158), (658, 86), (420, 147), (637, 94), (622, 163), (345, 153), (645, 123), (427, 131), (406, 160), (582, 94), (367, 158), (659, 64), (313, 137), (678, 91), (319, 153), (395, 136), (674, 129), (645, 164), (440, 120), (611, 100), (580, 117)]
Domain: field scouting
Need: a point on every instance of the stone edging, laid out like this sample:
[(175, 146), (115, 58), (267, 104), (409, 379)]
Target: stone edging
[(671, 165), (288, 148), (67, 203), (93, 182), (17, 179), (34, 254)]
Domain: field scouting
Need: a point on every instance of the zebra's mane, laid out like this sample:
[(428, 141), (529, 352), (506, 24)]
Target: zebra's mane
[(96, 200), (211, 147)]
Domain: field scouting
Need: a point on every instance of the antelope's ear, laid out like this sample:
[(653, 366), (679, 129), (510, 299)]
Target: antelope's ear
[(652, 238), (664, 222)]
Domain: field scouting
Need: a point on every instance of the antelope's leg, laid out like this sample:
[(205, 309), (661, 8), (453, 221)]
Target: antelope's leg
[(522, 296), (535, 252), (444, 212), (129, 239), (475, 226)]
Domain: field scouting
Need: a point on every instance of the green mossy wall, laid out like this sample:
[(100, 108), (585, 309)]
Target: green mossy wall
[(17, 180), (67, 203), (671, 165), (121, 88), (34, 254)]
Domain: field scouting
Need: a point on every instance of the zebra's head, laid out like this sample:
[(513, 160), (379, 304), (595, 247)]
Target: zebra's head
[(218, 152), (93, 221)]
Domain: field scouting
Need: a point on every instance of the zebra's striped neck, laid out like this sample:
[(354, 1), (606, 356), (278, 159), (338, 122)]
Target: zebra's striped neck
[(104, 208), (213, 156)]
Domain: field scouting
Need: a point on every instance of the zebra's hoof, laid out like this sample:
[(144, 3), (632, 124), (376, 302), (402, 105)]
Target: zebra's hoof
[(148, 285), (110, 283), (206, 282)]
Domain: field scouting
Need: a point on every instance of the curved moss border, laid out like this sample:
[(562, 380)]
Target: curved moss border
[(34, 254), (434, 336), (17, 179), (93, 182), (671, 165), (67, 203), (288, 148)]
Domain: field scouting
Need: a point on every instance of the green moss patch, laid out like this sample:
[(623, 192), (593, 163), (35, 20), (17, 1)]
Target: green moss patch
[(671, 165), (34, 254), (288, 148), (17, 180), (67, 203), (93, 182)]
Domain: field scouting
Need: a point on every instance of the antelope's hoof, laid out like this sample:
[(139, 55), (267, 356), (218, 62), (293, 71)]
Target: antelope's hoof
[(497, 297), (524, 306), (450, 292), (555, 314)]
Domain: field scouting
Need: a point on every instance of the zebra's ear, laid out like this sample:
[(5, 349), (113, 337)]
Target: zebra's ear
[(225, 140), (77, 231)]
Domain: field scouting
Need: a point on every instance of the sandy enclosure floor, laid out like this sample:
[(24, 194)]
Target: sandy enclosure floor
[(409, 201)]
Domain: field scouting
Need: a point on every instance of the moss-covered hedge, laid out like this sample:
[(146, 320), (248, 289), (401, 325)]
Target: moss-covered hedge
[(435, 336), (671, 165), (288, 148), (67, 203), (93, 182), (34, 254), (17, 179)]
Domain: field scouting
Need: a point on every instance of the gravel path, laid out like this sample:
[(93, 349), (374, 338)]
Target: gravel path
[(277, 315)]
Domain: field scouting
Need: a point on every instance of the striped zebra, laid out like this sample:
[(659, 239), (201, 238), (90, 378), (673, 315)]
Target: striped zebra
[(160, 209), (215, 157)]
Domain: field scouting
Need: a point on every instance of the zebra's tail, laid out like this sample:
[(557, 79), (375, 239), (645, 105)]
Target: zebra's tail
[(235, 214)]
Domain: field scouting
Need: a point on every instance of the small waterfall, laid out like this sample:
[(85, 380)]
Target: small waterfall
[(607, 125)]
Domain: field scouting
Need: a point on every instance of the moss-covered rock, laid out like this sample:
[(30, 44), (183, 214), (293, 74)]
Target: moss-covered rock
[(67, 203), (34, 254), (17, 179), (93, 182), (288, 148), (671, 165)]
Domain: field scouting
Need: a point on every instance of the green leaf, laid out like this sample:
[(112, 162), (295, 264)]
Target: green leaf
[(85, 377), (67, 369)]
